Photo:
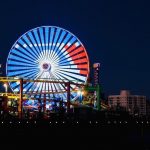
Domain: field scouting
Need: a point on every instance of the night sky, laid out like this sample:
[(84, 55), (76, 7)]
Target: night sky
[(114, 33)]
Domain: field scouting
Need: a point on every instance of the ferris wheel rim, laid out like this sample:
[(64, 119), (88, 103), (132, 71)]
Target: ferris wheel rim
[(49, 27)]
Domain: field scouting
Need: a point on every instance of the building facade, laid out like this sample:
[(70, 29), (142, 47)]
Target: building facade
[(134, 104)]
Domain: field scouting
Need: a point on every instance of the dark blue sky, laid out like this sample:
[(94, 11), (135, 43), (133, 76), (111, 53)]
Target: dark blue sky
[(114, 33)]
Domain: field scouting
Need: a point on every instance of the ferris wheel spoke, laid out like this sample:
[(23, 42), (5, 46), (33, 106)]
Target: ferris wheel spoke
[(17, 59), (42, 38), (43, 87), (56, 87), (21, 54), (30, 75), (25, 75), (27, 87), (49, 86), (75, 77), (37, 85), (29, 46), (75, 54), (20, 72), (74, 71), (57, 48), (69, 46), (46, 37), (20, 68), (13, 63), (74, 57), (35, 33), (40, 87), (56, 38), (34, 43), (16, 86), (67, 49), (63, 77), (23, 48), (63, 86), (53, 88), (51, 37), (79, 71)]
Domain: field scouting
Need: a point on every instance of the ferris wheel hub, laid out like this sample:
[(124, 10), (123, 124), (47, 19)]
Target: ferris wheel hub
[(46, 66)]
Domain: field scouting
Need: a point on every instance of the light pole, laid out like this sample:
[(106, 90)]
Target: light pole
[(80, 94), (6, 88)]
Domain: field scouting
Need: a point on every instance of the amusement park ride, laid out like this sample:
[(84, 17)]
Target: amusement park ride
[(48, 65)]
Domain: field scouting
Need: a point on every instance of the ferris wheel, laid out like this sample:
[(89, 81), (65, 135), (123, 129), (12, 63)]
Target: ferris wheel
[(48, 53)]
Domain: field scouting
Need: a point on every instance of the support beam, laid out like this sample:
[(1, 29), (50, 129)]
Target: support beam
[(98, 92), (68, 97), (44, 109), (20, 99)]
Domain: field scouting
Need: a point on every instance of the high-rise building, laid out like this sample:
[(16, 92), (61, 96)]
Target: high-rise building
[(134, 104)]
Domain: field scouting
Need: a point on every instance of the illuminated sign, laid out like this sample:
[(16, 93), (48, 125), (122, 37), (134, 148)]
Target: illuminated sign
[(96, 67)]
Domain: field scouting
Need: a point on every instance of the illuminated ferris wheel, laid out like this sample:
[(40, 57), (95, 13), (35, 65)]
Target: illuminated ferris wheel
[(48, 53)]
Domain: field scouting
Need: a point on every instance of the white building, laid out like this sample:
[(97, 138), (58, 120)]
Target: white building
[(134, 104)]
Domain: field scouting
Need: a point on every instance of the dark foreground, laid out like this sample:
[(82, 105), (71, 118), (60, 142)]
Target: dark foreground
[(70, 133)]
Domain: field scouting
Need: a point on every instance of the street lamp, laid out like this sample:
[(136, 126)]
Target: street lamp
[(6, 88), (80, 94)]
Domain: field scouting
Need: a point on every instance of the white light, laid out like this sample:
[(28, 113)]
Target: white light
[(30, 45), (54, 44), (46, 44), (68, 44), (58, 44), (24, 45), (43, 44), (62, 44), (79, 92), (63, 49), (6, 87), (39, 44), (24, 90), (35, 45), (65, 52), (16, 46), (77, 44)]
